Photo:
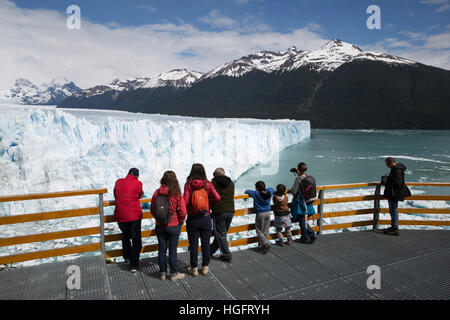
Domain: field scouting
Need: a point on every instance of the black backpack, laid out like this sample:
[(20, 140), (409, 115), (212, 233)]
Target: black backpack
[(162, 210), (308, 189)]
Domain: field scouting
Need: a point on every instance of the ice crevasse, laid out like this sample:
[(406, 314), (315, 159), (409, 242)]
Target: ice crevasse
[(48, 150)]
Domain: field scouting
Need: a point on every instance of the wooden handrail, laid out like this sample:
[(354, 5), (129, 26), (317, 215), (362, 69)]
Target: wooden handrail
[(22, 218), (35, 196), (183, 243)]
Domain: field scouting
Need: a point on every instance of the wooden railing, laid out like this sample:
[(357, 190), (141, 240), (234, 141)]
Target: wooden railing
[(109, 238)]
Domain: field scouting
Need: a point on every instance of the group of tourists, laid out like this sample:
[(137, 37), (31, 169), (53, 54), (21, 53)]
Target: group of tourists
[(209, 205), (204, 205)]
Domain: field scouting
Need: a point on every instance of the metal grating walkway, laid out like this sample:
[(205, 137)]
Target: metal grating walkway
[(415, 265)]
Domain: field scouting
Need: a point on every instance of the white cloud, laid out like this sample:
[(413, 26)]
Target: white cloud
[(443, 5), (36, 44), (216, 20), (147, 7), (438, 41), (427, 49), (243, 2)]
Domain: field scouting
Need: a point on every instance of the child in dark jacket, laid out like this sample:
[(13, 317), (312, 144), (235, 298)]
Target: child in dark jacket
[(261, 208), (282, 217)]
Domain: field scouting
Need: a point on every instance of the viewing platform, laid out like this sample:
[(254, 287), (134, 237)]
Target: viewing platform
[(414, 265)]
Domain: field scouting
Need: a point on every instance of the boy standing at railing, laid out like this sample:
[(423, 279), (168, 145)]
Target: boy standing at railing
[(261, 208), (281, 212)]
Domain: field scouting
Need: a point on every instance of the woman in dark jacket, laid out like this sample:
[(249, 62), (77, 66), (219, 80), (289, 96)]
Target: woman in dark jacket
[(199, 222), (169, 233)]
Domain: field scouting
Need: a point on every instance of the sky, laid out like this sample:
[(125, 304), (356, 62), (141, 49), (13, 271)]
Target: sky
[(138, 38)]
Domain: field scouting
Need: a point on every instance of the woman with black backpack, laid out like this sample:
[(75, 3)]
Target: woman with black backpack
[(169, 210), (197, 192)]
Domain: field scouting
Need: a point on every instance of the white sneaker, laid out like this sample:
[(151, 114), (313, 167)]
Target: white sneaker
[(193, 271), (178, 276), (205, 270)]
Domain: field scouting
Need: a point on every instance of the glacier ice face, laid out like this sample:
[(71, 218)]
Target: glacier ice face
[(47, 150)]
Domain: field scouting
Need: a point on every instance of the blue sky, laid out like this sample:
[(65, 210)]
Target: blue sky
[(344, 19), (144, 38)]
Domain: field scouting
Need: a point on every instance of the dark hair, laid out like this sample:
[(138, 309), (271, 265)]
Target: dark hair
[(281, 189), (390, 160), (261, 188), (197, 173), (302, 167), (169, 179), (133, 172)]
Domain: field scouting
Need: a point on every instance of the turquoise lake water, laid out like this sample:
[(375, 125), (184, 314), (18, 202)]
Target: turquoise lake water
[(349, 156)]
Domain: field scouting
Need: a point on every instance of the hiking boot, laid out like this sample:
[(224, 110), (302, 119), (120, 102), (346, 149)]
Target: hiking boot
[(387, 230), (162, 275), (261, 248), (205, 270), (193, 271), (302, 240), (392, 232), (177, 276), (223, 258)]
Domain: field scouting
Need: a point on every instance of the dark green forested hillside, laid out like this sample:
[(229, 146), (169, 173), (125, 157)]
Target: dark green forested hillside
[(359, 94)]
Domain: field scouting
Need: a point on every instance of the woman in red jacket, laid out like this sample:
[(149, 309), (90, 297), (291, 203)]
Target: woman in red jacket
[(128, 214), (169, 212), (197, 193)]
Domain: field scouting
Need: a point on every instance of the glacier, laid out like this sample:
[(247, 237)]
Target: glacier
[(48, 149)]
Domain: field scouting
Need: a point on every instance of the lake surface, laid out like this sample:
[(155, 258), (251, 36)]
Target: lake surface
[(349, 156)]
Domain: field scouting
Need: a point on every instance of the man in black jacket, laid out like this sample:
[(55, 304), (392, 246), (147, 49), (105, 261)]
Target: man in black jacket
[(222, 213), (395, 190)]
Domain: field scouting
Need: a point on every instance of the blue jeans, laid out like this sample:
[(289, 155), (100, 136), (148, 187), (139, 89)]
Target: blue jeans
[(168, 235), (307, 232), (199, 226), (393, 211)]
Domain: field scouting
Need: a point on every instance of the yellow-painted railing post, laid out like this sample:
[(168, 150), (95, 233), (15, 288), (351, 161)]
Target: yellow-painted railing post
[(376, 204), (320, 210), (102, 224)]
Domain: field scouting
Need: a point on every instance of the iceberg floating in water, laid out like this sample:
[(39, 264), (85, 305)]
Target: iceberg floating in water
[(47, 150)]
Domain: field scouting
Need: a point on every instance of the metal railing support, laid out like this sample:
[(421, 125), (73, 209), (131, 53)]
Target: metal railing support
[(320, 210), (376, 205), (102, 224)]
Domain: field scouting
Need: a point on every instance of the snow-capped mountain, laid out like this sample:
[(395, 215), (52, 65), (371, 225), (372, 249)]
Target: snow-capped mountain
[(336, 86), (266, 61), (175, 78), (328, 58), (26, 92), (115, 85)]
